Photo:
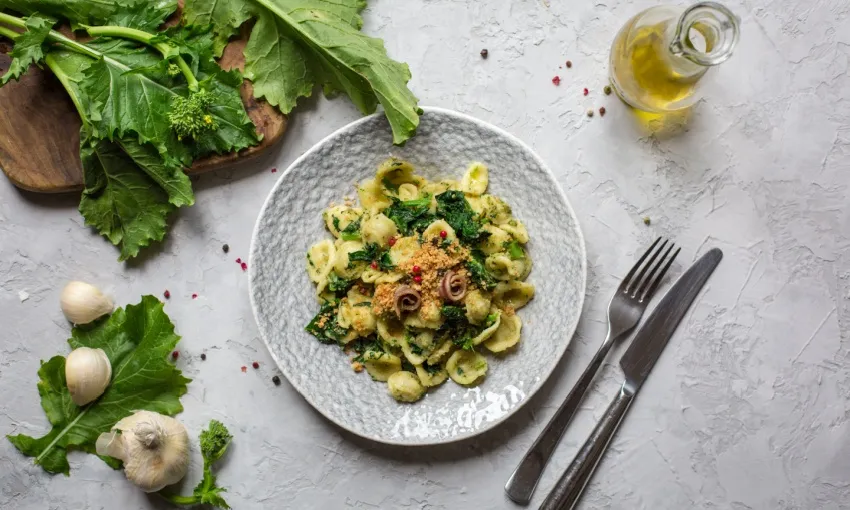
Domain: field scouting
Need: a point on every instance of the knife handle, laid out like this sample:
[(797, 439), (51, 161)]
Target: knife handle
[(566, 493)]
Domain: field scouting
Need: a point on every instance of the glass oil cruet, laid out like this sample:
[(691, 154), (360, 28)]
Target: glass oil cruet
[(659, 57)]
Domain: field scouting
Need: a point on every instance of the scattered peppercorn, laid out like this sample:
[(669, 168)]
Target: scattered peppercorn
[(646, 220), (391, 241), (607, 90), (256, 365), (444, 234), (417, 278), (416, 269), (225, 248), (194, 296), (166, 294), (244, 369), (556, 80), (203, 356), (569, 64), (175, 355), (373, 265), (585, 91), (274, 170), (244, 266), (601, 111), (276, 380), (590, 112), (239, 260), (484, 53)]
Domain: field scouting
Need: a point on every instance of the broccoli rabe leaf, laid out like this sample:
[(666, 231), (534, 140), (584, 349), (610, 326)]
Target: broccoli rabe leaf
[(453, 314), (372, 253), (362, 346), (142, 14), (411, 215), (351, 232), (325, 327), (214, 442), (479, 273), (515, 250), (453, 207), (28, 47), (338, 284)]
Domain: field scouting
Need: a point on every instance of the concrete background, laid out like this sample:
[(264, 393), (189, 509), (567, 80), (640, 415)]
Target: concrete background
[(747, 409)]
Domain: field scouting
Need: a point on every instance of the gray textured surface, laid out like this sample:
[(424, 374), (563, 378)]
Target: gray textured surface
[(747, 408), (283, 296)]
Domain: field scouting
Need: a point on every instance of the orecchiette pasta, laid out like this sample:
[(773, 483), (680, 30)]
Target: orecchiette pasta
[(420, 278)]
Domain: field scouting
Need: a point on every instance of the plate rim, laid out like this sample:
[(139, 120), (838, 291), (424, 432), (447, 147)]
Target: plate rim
[(572, 328)]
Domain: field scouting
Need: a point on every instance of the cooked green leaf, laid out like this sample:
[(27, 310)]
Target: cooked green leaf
[(137, 341), (479, 273), (325, 327), (28, 47), (453, 207), (515, 250), (410, 215)]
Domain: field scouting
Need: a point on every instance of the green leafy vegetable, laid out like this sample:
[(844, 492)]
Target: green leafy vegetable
[(351, 232), (144, 14), (453, 314), (338, 284), (214, 442), (325, 327), (410, 215), (479, 274), (137, 340), (28, 47), (453, 207), (362, 346), (372, 252), (297, 44), (515, 250)]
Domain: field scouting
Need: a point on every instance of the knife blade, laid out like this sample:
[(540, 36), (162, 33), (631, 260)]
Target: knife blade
[(652, 337), (636, 363)]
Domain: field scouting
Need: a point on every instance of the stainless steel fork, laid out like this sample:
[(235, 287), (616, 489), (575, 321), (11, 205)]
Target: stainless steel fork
[(624, 312)]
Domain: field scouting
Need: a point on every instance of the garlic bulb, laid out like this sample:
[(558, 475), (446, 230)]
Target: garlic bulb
[(83, 303), (87, 374), (153, 447)]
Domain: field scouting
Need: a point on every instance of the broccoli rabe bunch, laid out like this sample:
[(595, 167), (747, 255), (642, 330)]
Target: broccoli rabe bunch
[(214, 442)]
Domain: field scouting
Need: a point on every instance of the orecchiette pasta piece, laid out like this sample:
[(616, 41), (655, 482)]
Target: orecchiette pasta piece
[(507, 335), (411, 351), (495, 242), (405, 387), (477, 305), (494, 209), (416, 320), (424, 340), (320, 262), (378, 229), (434, 229), (514, 294), (393, 173), (391, 330), (502, 267), (408, 191), (355, 312), (516, 229), (381, 365), (372, 196), (340, 216), (431, 376), (496, 318), (349, 337), (466, 367), (343, 266), (440, 352), (475, 180), (403, 249), (370, 275), (390, 277), (435, 188)]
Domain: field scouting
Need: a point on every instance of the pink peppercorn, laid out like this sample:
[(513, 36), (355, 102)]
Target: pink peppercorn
[(556, 80), (194, 296), (166, 294), (417, 279), (255, 365), (175, 355), (444, 234), (586, 92)]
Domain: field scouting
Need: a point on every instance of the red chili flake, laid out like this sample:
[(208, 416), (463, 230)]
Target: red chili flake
[(244, 266), (166, 294), (239, 260), (417, 279), (244, 369), (601, 111), (444, 234), (569, 64), (373, 265), (586, 92), (417, 269), (556, 80), (194, 296), (255, 365), (175, 355), (391, 241), (274, 170)]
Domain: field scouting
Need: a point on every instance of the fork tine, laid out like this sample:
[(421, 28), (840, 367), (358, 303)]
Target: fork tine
[(635, 267), (636, 283), (647, 294)]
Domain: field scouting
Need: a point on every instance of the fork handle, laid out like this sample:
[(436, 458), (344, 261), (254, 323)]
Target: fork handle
[(566, 493), (523, 481)]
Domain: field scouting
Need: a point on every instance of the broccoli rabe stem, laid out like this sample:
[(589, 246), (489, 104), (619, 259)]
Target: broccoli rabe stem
[(167, 51), (65, 80), (53, 36), (8, 33)]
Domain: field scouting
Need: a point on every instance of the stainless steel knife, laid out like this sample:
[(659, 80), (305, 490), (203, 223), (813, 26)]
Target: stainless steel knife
[(636, 363)]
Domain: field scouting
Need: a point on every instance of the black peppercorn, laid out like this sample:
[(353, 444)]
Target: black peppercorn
[(225, 248), (276, 380), (203, 357), (484, 53)]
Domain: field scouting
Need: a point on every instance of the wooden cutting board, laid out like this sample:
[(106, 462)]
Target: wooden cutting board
[(40, 129)]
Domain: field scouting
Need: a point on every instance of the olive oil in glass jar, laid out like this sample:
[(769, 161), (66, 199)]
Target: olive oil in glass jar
[(659, 57)]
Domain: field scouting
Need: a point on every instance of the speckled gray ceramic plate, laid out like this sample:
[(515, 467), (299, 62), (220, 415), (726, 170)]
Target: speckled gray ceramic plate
[(283, 297)]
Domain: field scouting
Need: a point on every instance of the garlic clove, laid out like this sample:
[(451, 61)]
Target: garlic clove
[(87, 374), (154, 448), (82, 303)]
